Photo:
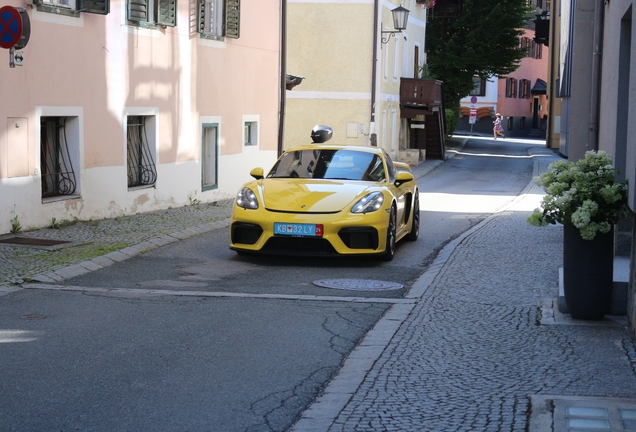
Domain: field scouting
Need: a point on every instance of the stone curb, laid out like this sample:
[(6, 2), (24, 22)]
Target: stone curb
[(126, 253)]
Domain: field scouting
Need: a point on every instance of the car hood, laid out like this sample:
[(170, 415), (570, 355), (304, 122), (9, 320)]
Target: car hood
[(312, 196)]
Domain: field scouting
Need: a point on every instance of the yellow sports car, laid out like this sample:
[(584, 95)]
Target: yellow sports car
[(322, 199)]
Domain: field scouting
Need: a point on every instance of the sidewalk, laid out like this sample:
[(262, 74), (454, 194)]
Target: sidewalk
[(95, 244)]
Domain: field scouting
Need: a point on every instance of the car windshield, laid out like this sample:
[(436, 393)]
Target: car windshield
[(329, 164)]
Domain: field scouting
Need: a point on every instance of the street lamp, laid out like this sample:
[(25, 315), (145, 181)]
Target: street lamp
[(400, 20)]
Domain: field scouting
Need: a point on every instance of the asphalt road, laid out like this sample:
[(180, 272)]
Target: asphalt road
[(161, 354)]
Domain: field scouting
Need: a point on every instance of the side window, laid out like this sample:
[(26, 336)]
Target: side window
[(524, 89), (210, 149), (73, 7), (511, 87), (390, 167), (479, 88), (396, 60), (250, 133), (57, 154), (149, 13), (141, 168), (376, 169), (219, 18)]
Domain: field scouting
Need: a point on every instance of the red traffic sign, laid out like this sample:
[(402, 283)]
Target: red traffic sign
[(473, 111), (10, 26)]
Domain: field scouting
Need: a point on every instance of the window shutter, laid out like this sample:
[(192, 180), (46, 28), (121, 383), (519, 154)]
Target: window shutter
[(232, 18), (101, 7), (167, 12), (138, 10)]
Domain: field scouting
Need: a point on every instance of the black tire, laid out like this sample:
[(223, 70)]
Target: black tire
[(415, 224), (391, 233)]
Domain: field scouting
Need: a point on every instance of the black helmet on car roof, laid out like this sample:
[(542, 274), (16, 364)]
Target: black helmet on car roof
[(321, 134)]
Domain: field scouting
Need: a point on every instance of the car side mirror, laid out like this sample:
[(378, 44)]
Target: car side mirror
[(257, 173), (403, 177)]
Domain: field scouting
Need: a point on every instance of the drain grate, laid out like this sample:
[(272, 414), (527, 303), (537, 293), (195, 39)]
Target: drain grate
[(30, 241), (358, 284), (32, 317)]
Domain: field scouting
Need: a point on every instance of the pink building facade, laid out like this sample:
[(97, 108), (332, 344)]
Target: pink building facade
[(127, 106), (521, 96)]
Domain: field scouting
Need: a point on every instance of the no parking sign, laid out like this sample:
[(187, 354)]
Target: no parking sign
[(15, 30), (15, 27)]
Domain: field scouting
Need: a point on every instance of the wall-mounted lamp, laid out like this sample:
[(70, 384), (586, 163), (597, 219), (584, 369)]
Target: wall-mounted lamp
[(400, 20)]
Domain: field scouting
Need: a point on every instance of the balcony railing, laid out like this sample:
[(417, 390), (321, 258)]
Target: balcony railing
[(420, 96)]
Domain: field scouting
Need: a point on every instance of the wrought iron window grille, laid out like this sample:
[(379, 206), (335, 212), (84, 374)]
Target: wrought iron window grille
[(141, 164), (58, 176)]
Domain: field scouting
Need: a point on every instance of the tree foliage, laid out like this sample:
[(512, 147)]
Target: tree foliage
[(483, 41)]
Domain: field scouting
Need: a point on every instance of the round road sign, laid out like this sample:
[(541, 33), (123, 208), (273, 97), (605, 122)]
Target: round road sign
[(10, 26)]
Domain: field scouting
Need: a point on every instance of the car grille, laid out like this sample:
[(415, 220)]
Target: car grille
[(299, 245), (245, 233), (359, 238)]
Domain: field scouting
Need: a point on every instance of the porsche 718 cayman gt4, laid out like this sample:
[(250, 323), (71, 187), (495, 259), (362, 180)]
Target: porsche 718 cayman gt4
[(322, 199)]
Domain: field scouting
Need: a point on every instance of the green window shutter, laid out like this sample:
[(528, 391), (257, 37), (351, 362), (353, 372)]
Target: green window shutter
[(101, 7), (138, 10), (232, 18), (167, 12)]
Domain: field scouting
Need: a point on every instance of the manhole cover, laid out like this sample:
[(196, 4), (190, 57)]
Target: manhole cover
[(32, 317), (29, 241), (358, 284)]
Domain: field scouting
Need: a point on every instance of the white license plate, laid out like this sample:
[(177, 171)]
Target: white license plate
[(298, 230)]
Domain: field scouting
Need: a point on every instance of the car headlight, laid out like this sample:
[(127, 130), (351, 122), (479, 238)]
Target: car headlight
[(246, 198), (369, 203)]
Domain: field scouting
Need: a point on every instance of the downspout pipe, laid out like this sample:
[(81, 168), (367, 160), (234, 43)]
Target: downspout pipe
[(597, 56), (283, 75), (374, 72), (552, 84)]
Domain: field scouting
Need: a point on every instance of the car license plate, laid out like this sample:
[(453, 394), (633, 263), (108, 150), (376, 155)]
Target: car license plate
[(298, 230)]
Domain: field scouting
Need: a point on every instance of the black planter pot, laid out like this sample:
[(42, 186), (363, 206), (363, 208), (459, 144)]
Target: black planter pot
[(588, 273)]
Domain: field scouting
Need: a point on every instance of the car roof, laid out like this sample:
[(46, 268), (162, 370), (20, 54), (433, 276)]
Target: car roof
[(362, 148)]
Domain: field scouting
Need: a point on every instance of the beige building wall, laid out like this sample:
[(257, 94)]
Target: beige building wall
[(331, 44)]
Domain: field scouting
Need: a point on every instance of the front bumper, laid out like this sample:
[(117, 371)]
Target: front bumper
[(343, 234)]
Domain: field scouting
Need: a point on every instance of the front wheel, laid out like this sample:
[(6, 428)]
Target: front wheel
[(390, 237)]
